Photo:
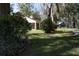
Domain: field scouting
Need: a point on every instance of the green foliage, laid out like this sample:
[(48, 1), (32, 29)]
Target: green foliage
[(25, 8), (71, 13), (36, 15), (12, 35), (48, 26)]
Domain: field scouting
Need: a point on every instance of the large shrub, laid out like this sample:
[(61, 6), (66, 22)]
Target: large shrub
[(48, 26), (13, 40)]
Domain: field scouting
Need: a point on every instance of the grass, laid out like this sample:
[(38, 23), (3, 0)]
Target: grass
[(55, 46), (60, 43)]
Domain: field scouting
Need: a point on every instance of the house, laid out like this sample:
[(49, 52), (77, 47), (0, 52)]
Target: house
[(35, 23)]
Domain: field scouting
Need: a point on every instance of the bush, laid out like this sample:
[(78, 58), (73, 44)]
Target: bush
[(48, 26), (12, 36)]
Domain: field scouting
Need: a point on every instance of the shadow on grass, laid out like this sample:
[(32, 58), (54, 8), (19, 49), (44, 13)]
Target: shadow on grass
[(55, 32), (62, 32), (55, 46)]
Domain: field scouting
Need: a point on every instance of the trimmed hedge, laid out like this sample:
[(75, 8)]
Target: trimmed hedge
[(48, 26)]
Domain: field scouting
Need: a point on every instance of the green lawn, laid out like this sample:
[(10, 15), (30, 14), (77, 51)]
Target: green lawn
[(57, 43)]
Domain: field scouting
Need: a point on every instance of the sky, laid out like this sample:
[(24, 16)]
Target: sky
[(15, 7), (35, 8)]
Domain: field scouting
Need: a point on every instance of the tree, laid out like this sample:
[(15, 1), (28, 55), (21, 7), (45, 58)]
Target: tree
[(36, 15), (4, 9), (25, 8), (55, 11), (71, 11), (48, 24), (12, 33)]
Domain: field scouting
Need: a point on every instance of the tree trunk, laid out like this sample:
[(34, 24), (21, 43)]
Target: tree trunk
[(4, 9), (73, 22), (49, 14), (58, 11)]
